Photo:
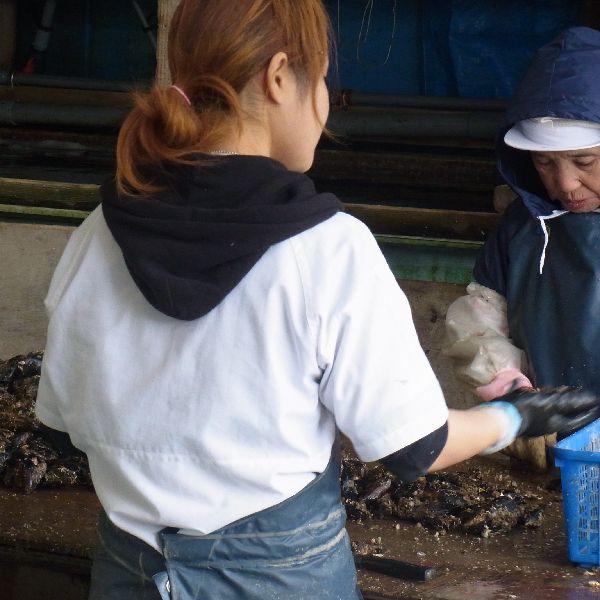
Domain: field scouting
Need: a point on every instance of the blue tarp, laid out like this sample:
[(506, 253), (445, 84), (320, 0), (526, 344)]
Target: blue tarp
[(469, 48), (481, 48), (466, 48)]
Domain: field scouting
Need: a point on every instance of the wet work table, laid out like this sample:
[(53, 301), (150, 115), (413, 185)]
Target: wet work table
[(47, 540)]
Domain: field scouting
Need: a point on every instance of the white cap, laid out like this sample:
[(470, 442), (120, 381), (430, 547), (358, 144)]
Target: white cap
[(552, 135)]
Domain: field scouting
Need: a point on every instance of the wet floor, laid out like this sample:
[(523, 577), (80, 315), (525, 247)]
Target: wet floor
[(525, 564)]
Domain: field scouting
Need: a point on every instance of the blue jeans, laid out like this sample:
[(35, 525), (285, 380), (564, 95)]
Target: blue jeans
[(295, 550)]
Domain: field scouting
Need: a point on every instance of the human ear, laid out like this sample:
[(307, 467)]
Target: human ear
[(276, 78)]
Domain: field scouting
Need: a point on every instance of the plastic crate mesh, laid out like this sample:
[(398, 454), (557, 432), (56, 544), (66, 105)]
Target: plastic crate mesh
[(578, 457)]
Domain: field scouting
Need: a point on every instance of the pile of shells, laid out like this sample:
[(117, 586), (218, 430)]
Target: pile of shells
[(461, 501), (31, 455)]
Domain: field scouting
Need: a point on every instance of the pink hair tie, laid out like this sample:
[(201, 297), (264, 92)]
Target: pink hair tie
[(185, 96)]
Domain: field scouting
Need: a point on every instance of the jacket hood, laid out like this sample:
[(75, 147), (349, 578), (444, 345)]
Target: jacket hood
[(563, 81), (187, 247)]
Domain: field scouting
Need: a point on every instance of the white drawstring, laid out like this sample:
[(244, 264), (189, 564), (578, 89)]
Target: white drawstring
[(543, 219)]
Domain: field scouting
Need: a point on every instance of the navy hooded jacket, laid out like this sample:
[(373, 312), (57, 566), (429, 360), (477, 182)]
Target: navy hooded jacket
[(553, 292)]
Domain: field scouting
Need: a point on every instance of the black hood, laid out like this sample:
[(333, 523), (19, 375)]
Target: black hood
[(188, 246)]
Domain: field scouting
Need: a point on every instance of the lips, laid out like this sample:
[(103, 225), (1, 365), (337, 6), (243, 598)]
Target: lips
[(579, 203), (575, 200)]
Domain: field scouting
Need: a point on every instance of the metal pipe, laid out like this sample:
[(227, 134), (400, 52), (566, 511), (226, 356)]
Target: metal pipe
[(388, 122), (103, 117), (75, 83), (353, 98), (350, 123)]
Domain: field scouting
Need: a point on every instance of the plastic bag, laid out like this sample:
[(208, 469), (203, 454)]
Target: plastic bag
[(477, 334)]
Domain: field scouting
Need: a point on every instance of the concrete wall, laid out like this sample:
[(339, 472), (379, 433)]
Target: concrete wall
[(29, 253)]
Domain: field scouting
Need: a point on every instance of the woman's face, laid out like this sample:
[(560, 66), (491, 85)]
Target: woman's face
[(572, 177), (297, 123)]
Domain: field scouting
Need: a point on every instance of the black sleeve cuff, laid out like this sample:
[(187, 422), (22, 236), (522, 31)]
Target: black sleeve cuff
[(414, 460)]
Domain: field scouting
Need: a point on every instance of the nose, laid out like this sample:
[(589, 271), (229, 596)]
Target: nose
[(567, 178)]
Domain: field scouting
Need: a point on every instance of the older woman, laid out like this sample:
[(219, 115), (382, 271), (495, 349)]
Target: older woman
[(531, 316)]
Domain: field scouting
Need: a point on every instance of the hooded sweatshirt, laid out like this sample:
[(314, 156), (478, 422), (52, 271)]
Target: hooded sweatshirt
[(205, 344), (543, 260), (187, 247)]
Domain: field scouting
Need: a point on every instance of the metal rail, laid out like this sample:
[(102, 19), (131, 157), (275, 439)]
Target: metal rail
[(62, 115), (12, 79), (344, 98), (356, 98), (355, 122), (386, 122)]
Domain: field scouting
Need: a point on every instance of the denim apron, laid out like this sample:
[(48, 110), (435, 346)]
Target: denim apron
[(296, 550)]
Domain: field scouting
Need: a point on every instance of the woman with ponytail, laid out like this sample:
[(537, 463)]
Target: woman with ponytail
[(216, 320)]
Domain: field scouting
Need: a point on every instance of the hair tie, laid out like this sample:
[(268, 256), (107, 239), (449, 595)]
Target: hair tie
[(185, 96)]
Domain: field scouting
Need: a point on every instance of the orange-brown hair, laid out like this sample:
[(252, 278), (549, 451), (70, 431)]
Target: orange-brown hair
[(215, 48)]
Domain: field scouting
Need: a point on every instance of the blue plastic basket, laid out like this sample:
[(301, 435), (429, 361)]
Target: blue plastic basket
[(578, 457)]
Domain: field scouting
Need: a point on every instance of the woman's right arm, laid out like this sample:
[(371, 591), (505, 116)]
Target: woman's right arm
[(470, 432), (491, 426)]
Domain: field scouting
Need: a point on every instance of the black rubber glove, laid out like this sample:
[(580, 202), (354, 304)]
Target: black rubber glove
[(553, 411)]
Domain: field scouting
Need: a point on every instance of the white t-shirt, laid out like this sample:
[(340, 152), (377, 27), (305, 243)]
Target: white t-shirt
[(195, 424)]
